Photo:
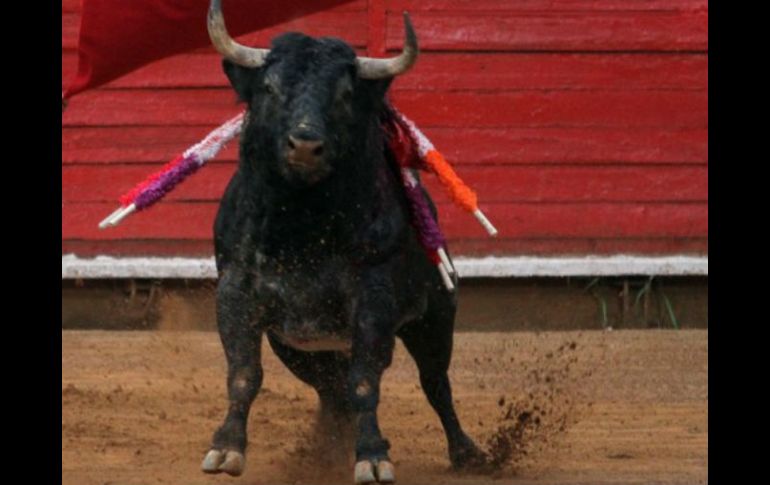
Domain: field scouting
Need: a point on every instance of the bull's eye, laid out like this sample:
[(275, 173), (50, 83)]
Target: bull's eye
[(271, 85), (344, 96), (344, 91)]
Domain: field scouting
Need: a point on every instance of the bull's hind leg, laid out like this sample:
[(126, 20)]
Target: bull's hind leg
[(241, 341), (429, 342)]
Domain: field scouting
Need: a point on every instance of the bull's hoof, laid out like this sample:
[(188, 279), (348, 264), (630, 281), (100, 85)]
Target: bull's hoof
[(468, 457), (385, 472), (374, 471), (230, 462)]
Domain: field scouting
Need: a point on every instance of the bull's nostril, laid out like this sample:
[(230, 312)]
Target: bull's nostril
[(303, 150)]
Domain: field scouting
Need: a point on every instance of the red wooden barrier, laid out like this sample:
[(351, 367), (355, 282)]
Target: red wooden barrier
[(583, 125), (533, 183)]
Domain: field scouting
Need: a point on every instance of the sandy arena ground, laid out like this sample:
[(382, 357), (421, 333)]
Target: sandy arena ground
[(568, 407)]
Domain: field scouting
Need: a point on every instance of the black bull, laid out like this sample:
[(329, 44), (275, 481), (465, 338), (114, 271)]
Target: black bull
[(314, 249)]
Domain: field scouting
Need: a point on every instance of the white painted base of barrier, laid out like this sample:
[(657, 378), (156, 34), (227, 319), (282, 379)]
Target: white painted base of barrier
[(105, 267)]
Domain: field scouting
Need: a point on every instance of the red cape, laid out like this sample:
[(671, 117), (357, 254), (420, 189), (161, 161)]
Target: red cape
[(117, 37)]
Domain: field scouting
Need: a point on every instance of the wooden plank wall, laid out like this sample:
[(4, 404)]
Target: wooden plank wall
[(582, 124)]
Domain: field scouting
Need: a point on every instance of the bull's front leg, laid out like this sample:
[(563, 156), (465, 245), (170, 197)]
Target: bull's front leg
[(241, 339), (372, 353)]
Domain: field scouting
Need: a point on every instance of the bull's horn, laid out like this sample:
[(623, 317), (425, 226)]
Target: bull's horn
[(371, 68), (225, 45)]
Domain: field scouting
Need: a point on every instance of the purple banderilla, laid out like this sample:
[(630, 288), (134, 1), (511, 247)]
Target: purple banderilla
[(428, 231), (166, 182)]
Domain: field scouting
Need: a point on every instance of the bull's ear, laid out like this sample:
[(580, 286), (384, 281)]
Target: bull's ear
[(240, 78)]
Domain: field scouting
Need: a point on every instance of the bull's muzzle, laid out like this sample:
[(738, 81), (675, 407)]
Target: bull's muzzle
[(305, 151)]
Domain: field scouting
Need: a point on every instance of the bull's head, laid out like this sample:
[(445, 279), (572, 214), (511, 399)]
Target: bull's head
[(310, 101)]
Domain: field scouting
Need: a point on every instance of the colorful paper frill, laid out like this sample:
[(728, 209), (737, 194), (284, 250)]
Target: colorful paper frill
[(409, 146)]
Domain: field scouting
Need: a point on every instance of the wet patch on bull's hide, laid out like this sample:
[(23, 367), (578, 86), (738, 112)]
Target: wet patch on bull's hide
[(363, 389)]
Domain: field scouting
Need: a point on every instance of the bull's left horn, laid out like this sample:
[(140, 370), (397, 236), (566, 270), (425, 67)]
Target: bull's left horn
[(225, 45), (372, 68)]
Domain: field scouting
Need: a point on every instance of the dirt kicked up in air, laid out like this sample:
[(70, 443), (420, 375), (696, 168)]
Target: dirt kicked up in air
[(538, 414)]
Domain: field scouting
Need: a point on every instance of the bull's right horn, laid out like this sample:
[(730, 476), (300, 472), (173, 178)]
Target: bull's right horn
[(373, 68), (225, 45)]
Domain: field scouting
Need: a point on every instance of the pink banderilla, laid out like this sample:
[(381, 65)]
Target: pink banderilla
[(157, 185)]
